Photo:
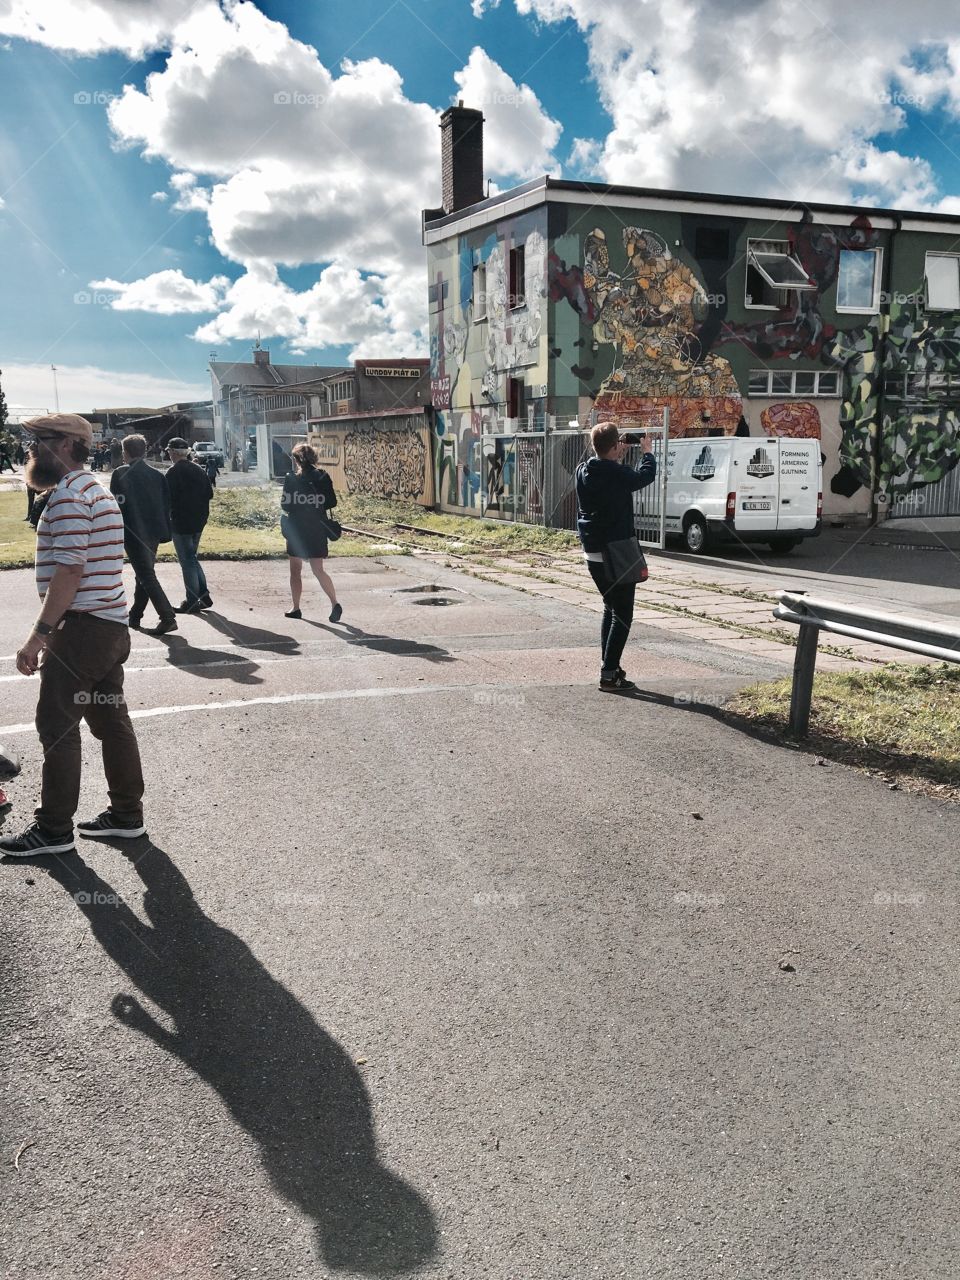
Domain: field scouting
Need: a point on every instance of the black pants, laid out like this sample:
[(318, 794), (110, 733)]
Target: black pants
[(143, 557), (617, 616)]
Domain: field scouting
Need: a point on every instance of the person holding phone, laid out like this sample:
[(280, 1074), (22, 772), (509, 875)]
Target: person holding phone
[(605, 489)]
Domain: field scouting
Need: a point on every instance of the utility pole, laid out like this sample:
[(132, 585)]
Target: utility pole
[(56, 393)]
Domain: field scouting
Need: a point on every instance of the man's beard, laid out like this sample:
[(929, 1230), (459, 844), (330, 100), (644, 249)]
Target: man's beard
[(43, 472)]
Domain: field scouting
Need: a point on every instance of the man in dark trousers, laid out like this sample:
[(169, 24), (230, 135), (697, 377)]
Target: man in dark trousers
[(190, 493), (145, 506)]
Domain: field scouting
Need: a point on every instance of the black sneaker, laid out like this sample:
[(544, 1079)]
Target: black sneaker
[(205, 601), (336, 613), (617, 683), (135, 621), (164, 626), (293, 613), (34, 841), (108, 825)]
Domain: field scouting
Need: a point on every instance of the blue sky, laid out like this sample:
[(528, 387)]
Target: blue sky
[(82, 203)]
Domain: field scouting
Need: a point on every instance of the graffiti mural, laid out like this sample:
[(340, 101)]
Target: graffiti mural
[(649, 307), (796, 419), (390, 464)]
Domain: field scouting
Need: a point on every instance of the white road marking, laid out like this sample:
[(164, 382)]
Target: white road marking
[(332, 695)]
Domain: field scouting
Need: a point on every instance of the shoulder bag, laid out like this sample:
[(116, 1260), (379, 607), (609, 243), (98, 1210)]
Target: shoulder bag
[(625, 562)]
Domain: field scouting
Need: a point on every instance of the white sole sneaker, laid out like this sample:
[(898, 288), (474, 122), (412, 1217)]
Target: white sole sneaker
[(67, 846), (113, 833)]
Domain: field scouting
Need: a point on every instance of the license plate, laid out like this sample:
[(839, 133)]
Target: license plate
[(757, 506)]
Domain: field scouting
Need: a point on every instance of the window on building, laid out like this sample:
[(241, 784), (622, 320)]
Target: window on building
[(789, 382), (858, 280), (514, 397), (517, 278), (480, 291), (711, 244), (772, 272), (943, 281)]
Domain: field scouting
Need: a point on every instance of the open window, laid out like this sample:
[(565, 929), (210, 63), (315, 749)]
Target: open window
[(514, 397), (772, 272), (943, 281), (858, 280)]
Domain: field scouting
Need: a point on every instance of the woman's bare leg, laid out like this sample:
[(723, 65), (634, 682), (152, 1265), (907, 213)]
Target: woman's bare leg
[(296, 580), (324, 579)]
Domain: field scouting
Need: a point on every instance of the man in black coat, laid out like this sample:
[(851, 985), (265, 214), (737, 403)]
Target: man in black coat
[(145, 505), (190, 493)]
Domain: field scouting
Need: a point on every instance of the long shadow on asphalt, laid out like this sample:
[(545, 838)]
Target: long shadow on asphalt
[(241, 634), (211, 664), (385, 644), (284, 1079)]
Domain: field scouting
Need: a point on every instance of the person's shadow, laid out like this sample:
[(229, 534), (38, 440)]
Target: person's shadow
[(284, 1079), (385, 644), (211, 664), (257, 637)]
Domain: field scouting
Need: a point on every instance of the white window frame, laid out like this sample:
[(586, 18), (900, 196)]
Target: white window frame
[(769, 246), (877, 282), (936, 253), (479, 277), (792, 375)]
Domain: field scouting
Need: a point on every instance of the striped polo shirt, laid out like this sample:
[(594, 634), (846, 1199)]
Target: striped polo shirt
[(81, 524)]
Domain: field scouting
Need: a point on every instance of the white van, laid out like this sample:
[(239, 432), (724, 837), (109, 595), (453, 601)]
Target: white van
[(743, 489)]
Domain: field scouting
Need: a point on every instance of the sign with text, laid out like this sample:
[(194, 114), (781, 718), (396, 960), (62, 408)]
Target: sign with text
[(440, 392)]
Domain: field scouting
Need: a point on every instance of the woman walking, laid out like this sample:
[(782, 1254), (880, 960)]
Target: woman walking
[(605, 489), (307, 497)]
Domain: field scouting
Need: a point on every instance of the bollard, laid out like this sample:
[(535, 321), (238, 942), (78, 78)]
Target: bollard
[(804, 666)]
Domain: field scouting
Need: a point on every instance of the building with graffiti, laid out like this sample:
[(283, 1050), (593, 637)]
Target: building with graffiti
[(556, 304), (372, 428)]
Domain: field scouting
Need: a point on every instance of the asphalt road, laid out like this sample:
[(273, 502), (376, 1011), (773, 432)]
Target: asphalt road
[(438, 962)]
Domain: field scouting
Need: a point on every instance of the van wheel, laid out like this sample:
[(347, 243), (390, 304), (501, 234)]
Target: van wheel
[(783, 546), (695, 535)]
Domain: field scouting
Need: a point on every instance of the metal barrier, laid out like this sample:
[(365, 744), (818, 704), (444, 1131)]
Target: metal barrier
[(813, 615)]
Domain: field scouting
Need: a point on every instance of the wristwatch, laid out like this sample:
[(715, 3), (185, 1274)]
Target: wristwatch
[(43, 629)]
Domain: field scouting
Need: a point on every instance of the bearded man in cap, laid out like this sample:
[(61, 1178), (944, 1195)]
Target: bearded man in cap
[(83, 638)]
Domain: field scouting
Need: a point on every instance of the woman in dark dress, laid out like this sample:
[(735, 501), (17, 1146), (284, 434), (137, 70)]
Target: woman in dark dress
[(307, 497)]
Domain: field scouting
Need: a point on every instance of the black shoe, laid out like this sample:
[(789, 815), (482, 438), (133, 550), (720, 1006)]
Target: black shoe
[(163, 626), (135, 621), (107, 824), (294, 613), (336, 613), (189, 606), (34, 841), (616, 684), (205, 601)]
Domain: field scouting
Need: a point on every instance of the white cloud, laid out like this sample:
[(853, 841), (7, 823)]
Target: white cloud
[(775, 98), (479, 8), (518, 135), (160, 196), (95, 26), (165, 293), (86, 387)]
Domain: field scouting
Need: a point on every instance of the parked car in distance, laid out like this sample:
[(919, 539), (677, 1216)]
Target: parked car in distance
[(204, 449)]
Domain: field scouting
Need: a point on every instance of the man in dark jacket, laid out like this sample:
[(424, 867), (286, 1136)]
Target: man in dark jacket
[(145, 507), (605, 489), (190, 493)]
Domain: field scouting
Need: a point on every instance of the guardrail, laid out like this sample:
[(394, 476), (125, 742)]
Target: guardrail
[(813, 615)]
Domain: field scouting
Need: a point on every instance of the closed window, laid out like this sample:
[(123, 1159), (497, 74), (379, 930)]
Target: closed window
[(480, 291), (858, 280), (793, 382), (517, 281), (943, 281)]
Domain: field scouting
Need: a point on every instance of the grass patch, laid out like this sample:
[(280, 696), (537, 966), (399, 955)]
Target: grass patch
[(244, 525), (899, 721), (486, 534)]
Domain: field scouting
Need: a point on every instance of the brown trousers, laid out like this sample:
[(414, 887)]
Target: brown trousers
[(81, 678)]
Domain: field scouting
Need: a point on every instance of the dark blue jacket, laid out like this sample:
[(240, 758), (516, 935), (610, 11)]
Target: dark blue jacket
[(605, 492)]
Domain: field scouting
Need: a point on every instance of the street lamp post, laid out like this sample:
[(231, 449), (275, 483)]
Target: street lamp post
[(56, 393)]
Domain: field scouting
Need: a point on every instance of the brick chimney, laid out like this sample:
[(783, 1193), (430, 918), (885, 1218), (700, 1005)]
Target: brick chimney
[(261, 355), (461, 147)]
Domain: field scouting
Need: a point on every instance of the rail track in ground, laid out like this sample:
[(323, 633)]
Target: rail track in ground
[(422, 539)]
